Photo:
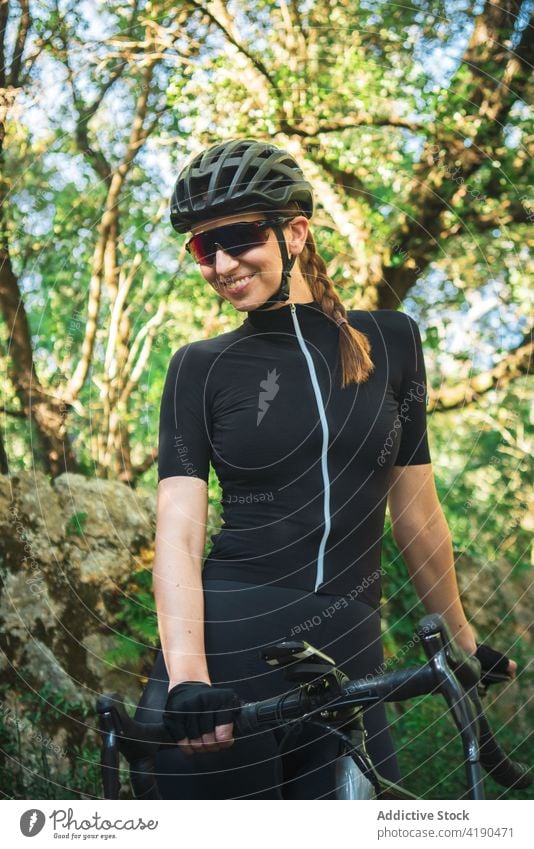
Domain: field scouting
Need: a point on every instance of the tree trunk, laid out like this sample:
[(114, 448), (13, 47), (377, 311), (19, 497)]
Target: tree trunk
[(46, 412), (4, 465)]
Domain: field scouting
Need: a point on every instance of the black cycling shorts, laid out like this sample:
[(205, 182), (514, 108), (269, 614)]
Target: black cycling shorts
[(239, 619)]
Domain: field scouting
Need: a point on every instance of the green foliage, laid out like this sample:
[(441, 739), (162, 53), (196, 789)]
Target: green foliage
[(484, 477), (137, 627), (430, 750), (31, 768), (301, 66), (76, 523)]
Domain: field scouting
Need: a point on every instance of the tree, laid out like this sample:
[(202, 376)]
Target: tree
[(124, 65), (421, 176), (46, 411), (403, 166)]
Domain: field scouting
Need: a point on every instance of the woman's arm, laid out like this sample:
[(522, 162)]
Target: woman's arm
[(181, 517), (422, 535)]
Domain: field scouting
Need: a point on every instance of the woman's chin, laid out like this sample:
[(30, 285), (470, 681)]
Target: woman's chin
[(248, 297), (247, 301)]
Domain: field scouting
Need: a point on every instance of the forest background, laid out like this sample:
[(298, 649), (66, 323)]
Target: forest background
[(413, 122)]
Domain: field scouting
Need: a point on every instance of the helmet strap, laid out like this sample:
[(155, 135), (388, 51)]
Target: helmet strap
[(288, 262)]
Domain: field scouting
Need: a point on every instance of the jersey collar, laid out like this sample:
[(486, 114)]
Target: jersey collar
[(310, 316)]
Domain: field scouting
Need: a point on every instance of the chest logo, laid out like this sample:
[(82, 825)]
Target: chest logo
[(268, 390)]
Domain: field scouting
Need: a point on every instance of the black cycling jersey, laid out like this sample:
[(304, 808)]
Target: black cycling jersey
[(303, 464)]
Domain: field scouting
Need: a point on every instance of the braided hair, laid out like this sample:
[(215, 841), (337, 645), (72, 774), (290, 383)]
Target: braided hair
[(354, 346)]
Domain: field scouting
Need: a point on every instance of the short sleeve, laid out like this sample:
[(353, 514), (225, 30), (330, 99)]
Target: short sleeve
[(414, 449), (184, 426)]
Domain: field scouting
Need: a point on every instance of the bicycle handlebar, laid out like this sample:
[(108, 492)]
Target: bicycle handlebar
[(447, 668), (395, 686), (496, 762)]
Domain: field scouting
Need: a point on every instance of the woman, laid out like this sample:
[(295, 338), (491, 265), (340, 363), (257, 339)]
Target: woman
[(313, 418)]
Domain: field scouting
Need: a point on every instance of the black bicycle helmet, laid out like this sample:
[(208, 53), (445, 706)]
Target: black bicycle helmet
[(240, 175)]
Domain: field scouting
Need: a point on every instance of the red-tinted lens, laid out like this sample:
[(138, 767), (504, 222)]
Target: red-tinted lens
[(234, 239)]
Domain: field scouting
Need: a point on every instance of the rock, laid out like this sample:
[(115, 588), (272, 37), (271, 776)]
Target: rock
[(39, 507), (68, 549), (42, 665), (29, 604), (124, 678), (114, 514)]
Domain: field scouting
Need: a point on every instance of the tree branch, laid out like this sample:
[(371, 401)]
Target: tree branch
[(349, 182), (94, 156), (350, 122), (135, 472), (104, 259), (95, 288), (487, 105), (19, 414), (146, 336), (349, 222), (515, 364), (222, 20), (4, 10), (20, 42)]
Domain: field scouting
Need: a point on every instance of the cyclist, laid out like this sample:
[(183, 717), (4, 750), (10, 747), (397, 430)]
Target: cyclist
[(313, 418)]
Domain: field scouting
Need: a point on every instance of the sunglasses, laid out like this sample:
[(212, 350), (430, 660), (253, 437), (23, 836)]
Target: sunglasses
[(233, 239)]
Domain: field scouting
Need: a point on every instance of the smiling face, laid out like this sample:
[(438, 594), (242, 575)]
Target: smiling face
[(250, 279)]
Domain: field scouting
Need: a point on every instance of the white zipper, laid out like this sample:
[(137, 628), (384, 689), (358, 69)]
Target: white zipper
[(319, 578)]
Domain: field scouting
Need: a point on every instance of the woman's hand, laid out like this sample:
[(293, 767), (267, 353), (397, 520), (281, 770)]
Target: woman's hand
[(492, 660), (199, 716)]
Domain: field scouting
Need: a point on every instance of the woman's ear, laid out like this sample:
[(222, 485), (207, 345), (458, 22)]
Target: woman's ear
[(297, 231)]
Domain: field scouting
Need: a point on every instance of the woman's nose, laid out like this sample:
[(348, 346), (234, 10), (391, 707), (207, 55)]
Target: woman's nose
[(224, 263)]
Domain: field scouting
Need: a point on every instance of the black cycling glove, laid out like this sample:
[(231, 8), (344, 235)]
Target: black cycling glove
[(491, 661), (194, 708)]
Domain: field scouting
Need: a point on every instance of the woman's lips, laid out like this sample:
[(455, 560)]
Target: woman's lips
[(239, 285)]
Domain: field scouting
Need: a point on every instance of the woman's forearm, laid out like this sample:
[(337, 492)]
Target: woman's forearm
[(180, 606), (429, 557)]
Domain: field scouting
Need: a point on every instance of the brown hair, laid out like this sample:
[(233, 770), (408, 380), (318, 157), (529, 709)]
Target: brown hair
[(354, 346)]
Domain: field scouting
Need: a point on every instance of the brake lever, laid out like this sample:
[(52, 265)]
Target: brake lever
[(435, 636), (491, 678)]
